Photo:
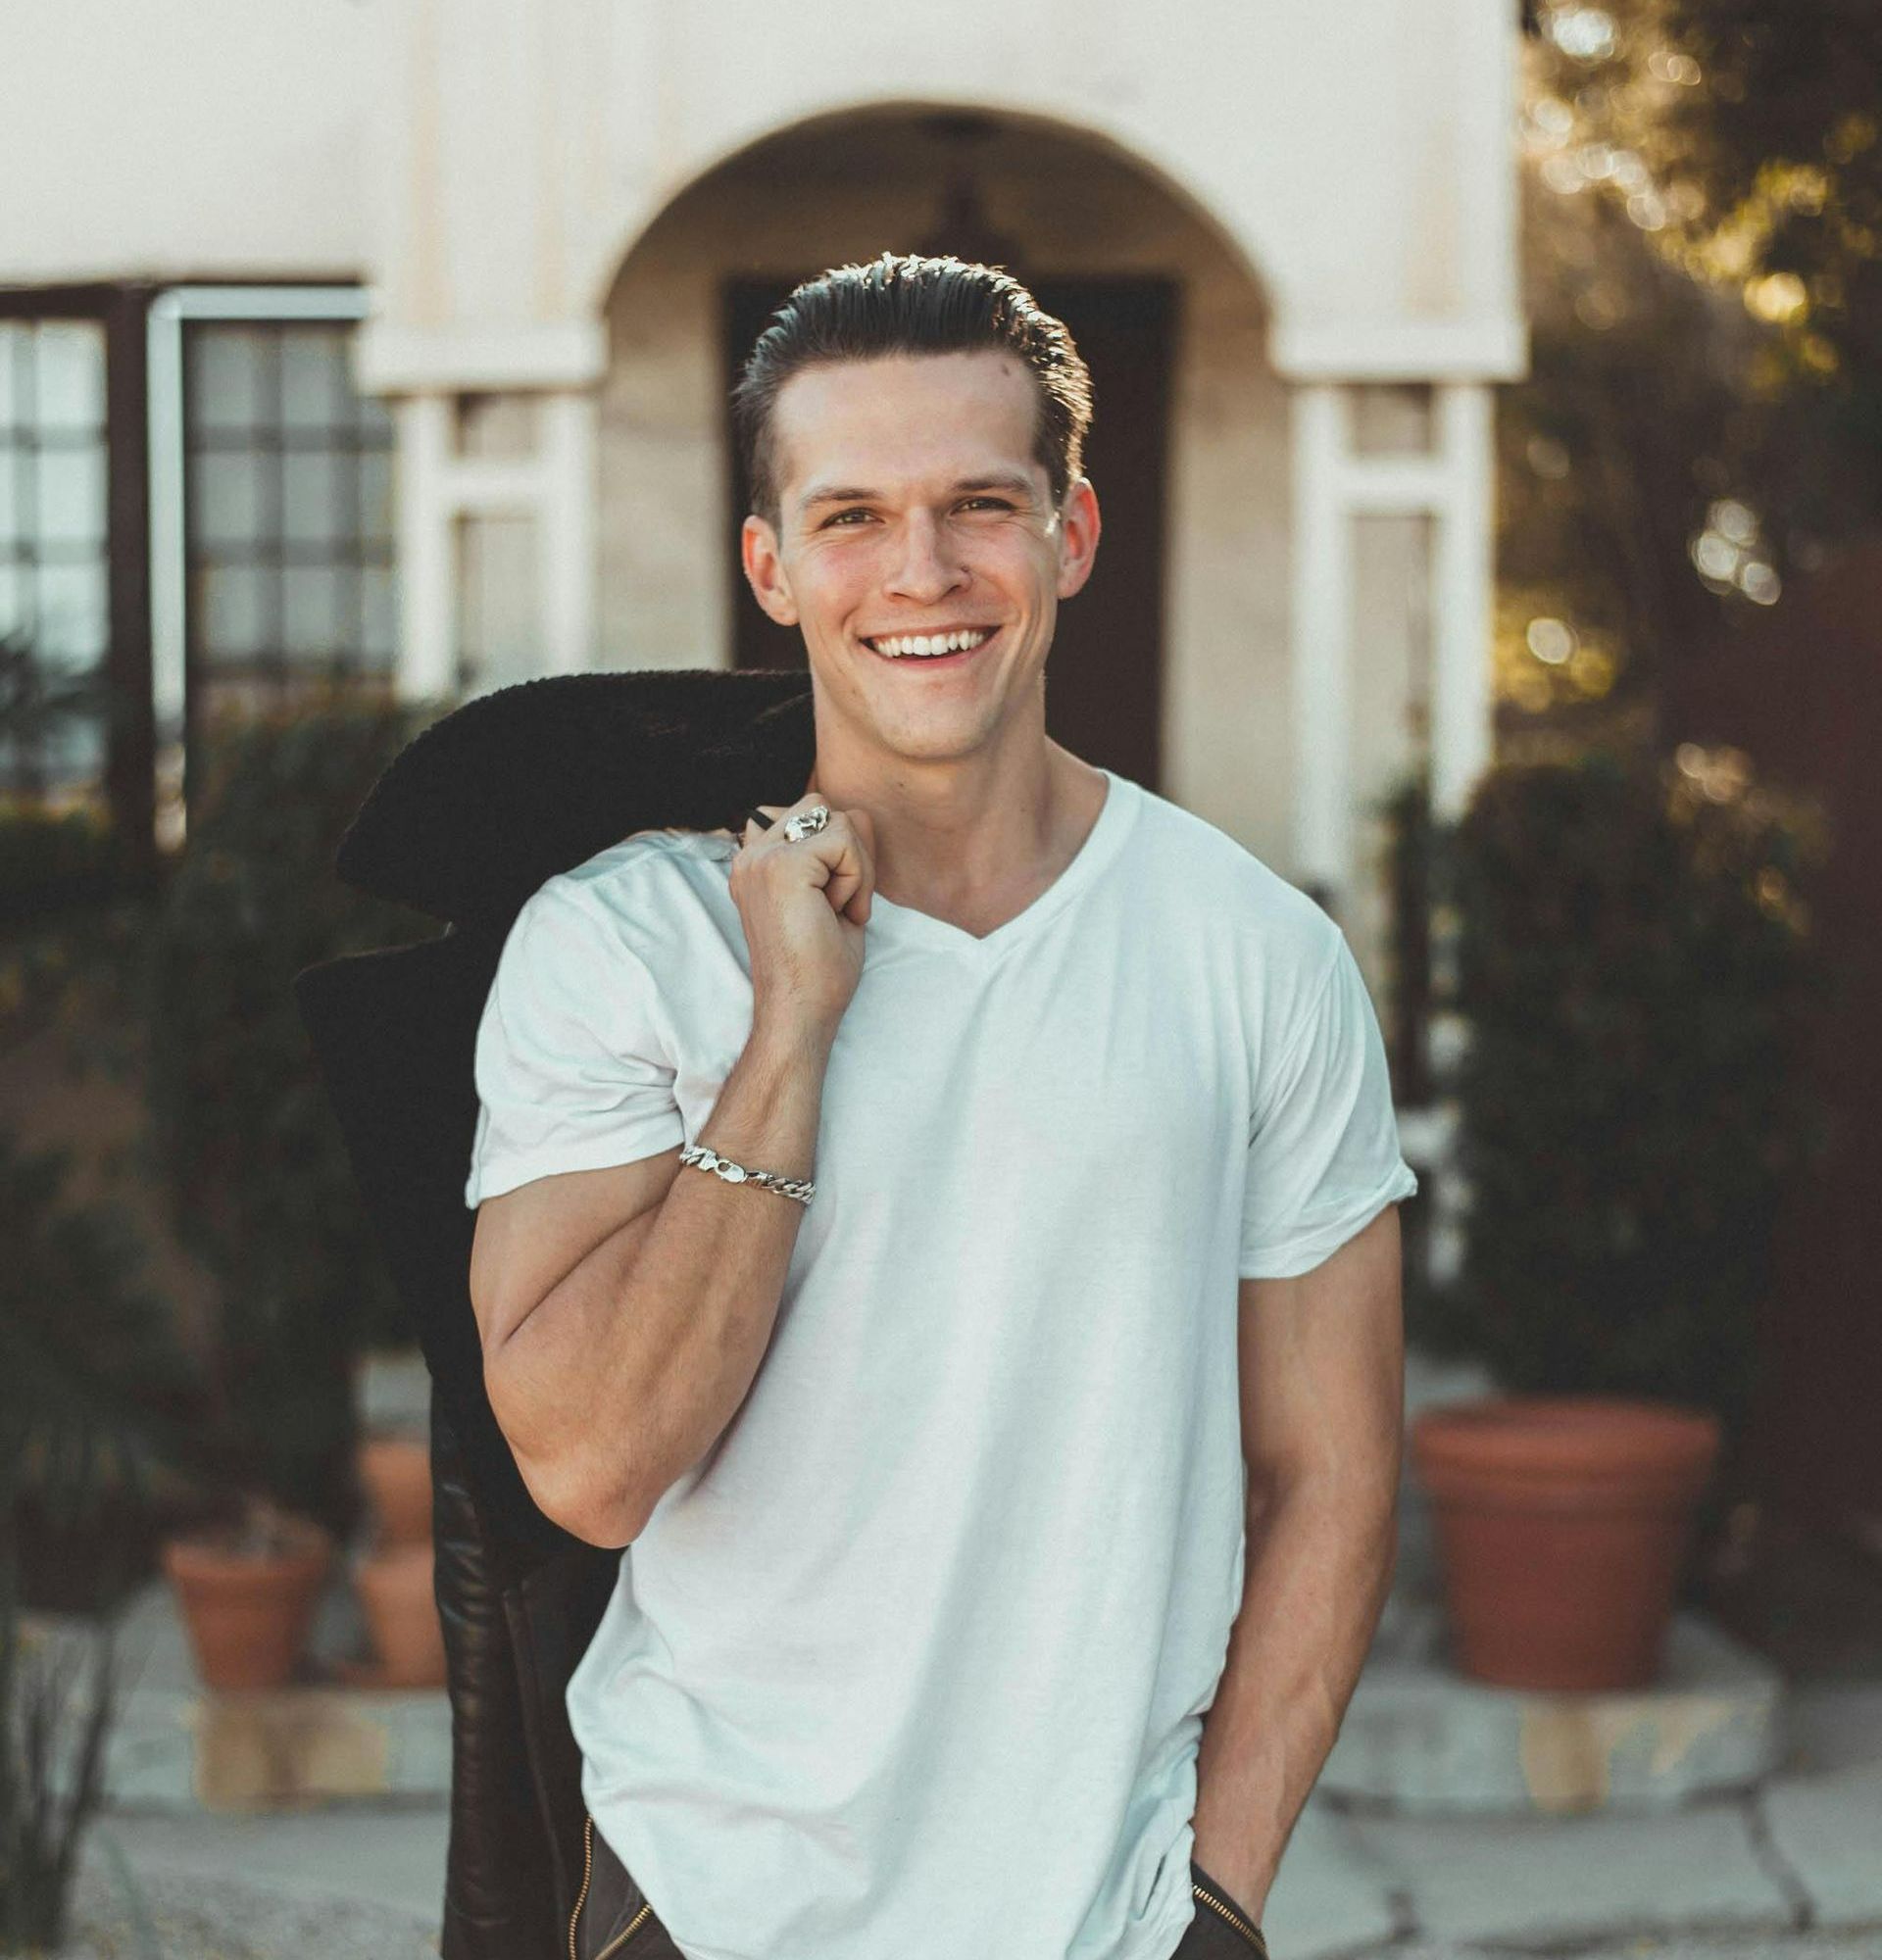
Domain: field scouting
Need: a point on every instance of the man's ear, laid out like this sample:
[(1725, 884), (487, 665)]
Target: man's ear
[(1078, 529), (764, 569)]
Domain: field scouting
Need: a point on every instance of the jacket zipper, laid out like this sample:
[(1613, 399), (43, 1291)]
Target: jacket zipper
[(629, 1931), (1252, 1934)]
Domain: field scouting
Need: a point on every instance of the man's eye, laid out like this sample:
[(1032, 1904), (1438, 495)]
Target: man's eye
[(996, 502), (841, 515)]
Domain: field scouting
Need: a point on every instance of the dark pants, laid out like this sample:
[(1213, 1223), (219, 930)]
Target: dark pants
[(614, 1918)]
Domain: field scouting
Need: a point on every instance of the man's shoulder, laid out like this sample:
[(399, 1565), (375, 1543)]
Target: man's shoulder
[(648, 868), (1222, 874)]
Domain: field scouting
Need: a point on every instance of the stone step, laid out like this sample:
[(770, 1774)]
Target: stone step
[(1419, 1735), (335, 1737)]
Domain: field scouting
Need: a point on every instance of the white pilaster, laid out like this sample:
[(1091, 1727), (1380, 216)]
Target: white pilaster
[(566, 530), (1463, 579), (428, 668), (1453, 485), (1323, 650), (555, 488)]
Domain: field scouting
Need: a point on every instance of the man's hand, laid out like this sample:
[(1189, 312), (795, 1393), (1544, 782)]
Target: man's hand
[(803, 905)]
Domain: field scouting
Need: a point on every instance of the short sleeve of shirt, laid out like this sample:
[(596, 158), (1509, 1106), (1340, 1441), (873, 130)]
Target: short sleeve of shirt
[(1323, 1150), (572, 1070)]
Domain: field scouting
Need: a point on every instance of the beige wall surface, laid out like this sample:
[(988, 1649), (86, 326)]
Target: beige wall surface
[(184, 138), (1358, 155)]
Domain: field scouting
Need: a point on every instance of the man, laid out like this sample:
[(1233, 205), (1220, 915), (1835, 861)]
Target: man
[(1038, 1393)]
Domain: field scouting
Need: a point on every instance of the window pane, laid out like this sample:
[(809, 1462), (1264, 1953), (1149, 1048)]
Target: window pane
[(12, 599), (230, 497), (71, 625), (376, 496), (312, 508), (286, 500), (72, 496), (1392, 418), (373, 418), (13, 358), (380, 592), (11, 515), (226, 377), (312, 597), (498, 574), (497, 425), (233, 608), (68, 375), (317, 392)]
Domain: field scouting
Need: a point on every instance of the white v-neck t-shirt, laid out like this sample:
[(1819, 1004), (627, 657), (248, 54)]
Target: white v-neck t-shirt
[(911, 1664)]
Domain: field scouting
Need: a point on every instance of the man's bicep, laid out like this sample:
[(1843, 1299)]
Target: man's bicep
[(530, 1240), (1322, 1361)]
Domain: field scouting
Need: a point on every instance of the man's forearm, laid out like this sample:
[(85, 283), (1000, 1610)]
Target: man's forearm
[(1317, 1570), (626, 1373)]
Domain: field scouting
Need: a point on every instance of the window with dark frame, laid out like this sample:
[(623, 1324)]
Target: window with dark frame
[(288, 510), (54, 566)]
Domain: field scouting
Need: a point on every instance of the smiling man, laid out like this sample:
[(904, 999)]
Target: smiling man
[(1005, 1480)]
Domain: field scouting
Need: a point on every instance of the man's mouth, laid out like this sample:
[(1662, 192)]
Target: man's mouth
[(933, 650)]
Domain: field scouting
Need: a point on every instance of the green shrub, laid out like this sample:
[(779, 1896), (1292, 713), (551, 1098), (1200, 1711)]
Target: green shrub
[(1636, 971)]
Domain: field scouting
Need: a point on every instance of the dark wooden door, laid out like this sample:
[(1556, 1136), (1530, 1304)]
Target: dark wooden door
[(1104, 676)]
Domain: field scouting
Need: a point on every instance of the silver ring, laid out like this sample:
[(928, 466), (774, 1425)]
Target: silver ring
[(800, 826)]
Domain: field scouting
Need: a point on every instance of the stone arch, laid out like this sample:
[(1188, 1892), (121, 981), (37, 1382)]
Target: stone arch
[(835, 186), (1130, 150)]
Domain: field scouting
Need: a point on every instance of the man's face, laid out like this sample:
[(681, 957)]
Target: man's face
[(911, 503)]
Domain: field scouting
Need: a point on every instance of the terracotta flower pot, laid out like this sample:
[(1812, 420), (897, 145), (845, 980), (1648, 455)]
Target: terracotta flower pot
[(248, 1599), (397, 1594), (396, 1471), (1561, 1522)]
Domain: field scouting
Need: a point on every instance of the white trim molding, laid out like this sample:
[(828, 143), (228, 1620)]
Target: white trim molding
[(1495, 349), (167, 488), (556, 487), (1334, 486), (490, 359)]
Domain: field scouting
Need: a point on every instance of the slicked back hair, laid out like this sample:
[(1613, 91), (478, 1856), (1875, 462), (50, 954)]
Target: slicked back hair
[(904, 304)]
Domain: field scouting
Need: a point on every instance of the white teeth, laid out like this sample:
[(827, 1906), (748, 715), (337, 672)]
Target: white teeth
[(927, 646)]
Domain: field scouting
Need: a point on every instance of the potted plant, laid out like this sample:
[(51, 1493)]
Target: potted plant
[(247, 1592), (1633, 971), (397, 1588), (394, 1577), (392, 1407), (241, 1133)]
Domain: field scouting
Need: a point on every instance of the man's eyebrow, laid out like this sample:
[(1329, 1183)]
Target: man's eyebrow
[(840, 493)]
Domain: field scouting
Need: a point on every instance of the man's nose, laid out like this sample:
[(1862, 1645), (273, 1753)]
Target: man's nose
[(925, 567)]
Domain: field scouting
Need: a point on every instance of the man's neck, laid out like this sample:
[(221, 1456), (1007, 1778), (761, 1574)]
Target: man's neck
[(968, 846)]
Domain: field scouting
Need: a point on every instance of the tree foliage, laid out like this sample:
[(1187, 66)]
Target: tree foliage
[(1703, 271)]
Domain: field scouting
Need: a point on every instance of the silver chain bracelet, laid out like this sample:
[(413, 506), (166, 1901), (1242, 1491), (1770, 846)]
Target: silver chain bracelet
[(705, 1159)]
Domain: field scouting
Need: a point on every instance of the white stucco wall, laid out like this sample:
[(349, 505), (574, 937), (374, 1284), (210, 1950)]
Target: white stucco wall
[(1358, 154), (185, 139), (488, 163)]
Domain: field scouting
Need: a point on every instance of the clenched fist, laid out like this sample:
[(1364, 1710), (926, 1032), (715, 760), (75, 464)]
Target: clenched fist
[(803, 905)]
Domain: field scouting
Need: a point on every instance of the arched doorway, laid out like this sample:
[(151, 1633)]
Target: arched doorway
[(1186, 607)]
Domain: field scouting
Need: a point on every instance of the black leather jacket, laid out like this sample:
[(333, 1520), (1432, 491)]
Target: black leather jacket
[(465, 825)]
